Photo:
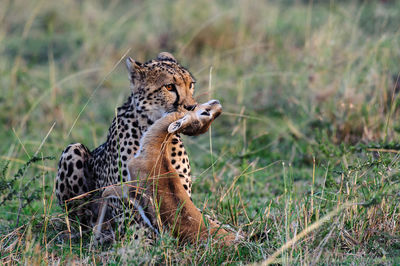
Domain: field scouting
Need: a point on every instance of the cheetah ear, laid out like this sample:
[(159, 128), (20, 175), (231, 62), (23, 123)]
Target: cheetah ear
[(178, 124), (135, 69), (165, 56), (133, 65)]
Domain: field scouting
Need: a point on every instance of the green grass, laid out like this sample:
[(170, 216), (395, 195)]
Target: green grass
[(310, 129)]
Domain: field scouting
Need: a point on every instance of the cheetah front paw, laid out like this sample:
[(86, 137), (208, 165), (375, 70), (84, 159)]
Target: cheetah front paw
[(103, 235)]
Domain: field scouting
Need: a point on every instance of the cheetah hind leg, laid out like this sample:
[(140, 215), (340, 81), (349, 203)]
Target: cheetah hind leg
[(74, 178)]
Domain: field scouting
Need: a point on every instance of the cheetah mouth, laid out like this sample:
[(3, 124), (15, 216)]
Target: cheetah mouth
[(190, 107), (181, 108)]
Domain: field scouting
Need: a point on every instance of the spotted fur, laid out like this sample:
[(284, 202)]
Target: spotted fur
[(158, 188), (158, 87)]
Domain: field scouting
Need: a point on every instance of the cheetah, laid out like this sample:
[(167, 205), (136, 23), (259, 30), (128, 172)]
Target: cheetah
[(158, 87), (158, 183)]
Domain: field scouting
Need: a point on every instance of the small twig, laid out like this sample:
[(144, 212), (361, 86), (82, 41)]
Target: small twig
[(19, 208), (15, 160), (384, 150)]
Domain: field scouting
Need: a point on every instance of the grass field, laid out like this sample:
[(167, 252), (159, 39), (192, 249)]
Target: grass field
[(305, 158)]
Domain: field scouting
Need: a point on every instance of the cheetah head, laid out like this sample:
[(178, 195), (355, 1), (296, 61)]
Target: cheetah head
[(161, 86)]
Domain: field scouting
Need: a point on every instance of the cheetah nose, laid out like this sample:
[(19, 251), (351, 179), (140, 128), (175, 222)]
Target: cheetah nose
[(190, 107)]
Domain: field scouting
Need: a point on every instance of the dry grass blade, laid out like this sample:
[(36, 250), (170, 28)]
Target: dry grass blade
[(272, 259), (95, 90)]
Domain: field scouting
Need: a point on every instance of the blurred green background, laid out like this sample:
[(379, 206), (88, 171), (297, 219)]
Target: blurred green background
[(311, 119)]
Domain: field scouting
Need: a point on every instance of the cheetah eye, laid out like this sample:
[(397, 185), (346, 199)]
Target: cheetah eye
[(170, 87)]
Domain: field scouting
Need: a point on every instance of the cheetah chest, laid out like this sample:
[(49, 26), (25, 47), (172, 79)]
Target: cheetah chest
[(126, 131)]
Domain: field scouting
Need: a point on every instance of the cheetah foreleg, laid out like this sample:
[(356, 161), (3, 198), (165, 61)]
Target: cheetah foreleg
[(120, 192)]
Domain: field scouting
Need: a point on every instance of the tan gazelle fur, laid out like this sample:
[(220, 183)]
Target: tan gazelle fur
[(162, 187)]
